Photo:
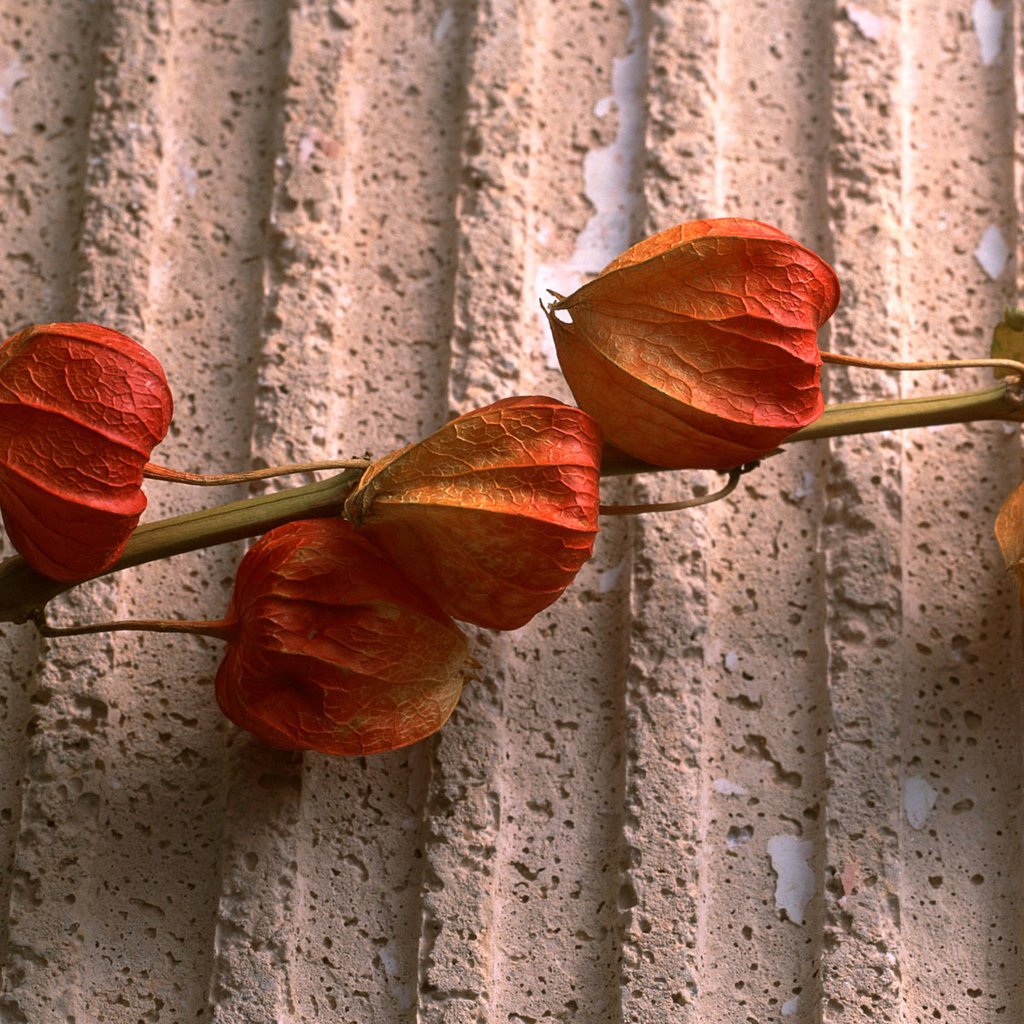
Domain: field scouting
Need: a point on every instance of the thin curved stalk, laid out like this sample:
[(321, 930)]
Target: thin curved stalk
[(154, 471), (219, 629), (678, 506)]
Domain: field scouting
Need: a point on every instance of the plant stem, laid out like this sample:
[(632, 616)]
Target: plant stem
[(24, 591), (219, 629), (154, 471), (677, 506), (1002, 401), (837, 359)]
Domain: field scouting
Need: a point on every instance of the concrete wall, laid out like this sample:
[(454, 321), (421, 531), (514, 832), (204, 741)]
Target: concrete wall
[(763, 761)]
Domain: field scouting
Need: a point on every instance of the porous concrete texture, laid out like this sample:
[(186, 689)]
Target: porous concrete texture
[(763, 762)]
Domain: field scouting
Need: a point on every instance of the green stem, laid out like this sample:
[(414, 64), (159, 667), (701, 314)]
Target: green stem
[(1003, 401), (23, 591)]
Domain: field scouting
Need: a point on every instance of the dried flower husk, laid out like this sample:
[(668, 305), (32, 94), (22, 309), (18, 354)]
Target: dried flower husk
[(495, 513), (697, 348), (1010, 535), (81, 408), (331, 648)]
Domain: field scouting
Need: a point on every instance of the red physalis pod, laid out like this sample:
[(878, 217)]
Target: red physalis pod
[(697, 347), (81, 408), (495, 513), (331, 648), (1010, 535)]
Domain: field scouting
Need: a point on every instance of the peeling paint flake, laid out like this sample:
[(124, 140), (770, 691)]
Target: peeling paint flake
[(871, 26), (806, 487), (988, 27), (918, 800), (607, 579), (610, 174), (727, 788), (992, 252), (794, 886), (10, 75), (444, 24), (789, 1008)]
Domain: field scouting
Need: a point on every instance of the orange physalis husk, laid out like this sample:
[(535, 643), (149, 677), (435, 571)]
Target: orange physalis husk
[(81, 408), (331, 648), (697, 348), (1010, 535), (495, 513)]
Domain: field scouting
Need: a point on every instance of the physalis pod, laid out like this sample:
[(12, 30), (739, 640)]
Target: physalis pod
[(81, 408), (697, 347), (1010, 535), (495, 513), (331, 648)]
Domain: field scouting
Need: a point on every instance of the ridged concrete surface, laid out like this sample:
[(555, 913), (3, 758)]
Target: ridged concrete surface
[(763, 762)]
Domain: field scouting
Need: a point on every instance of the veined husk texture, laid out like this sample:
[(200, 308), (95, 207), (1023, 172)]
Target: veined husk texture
[(81, 408), (495, 513), (332, 648), (697, 348)]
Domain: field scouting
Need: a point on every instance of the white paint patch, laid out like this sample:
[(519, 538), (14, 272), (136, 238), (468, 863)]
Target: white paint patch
[(10, 76), (789, 1008), (189, 178), (444, 24), (731, 660), (988, 27), (727, 788), (307, 146), (609, 577), (992, 252), (794, 887), (918, 800), (401, 990), (807, 487), (871, 26), (609, 181)]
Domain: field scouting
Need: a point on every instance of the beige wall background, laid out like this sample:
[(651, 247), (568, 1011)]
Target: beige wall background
[(763, 762)]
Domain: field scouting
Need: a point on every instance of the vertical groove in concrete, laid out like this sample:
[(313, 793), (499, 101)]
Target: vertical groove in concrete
[(382, 282), (557, 852), (492, 205), (47, 61), (461, 960), (764, 663), (960, 837), (461, 809), (253, 938), (205, 290), (259, 950), (662, 798), (64, 901), (861, 531)]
